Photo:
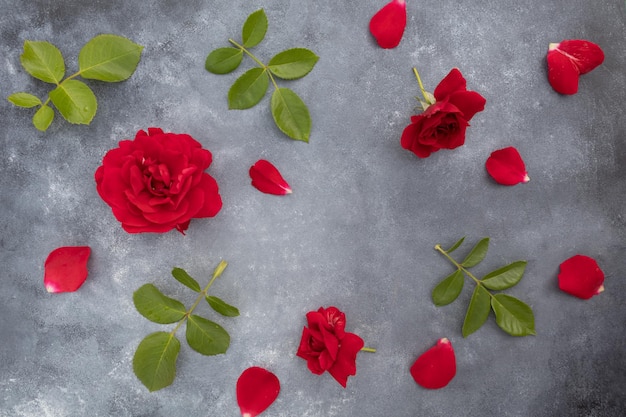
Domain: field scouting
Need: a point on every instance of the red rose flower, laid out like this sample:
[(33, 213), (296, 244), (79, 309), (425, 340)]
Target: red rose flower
[(156, 182), (443, 123), (326, 345)]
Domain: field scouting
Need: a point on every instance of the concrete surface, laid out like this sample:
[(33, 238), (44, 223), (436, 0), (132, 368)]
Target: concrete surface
[(359, 229)]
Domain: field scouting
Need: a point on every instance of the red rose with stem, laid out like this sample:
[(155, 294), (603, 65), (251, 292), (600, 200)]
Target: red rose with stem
[(446, 116), (156, 182), (326, 346)]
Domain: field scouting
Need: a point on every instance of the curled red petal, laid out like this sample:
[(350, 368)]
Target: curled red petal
[(436, 367), (387, 25), (562, 72), (581, 276), (257, 388), (65, 269), (267, 179), (584, 54), (507, 167)]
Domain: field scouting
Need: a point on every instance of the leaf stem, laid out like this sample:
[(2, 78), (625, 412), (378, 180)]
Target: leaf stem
[(426, 96), (368, 349), (258, 61), (216, 273), (460, 267), (250, 54)]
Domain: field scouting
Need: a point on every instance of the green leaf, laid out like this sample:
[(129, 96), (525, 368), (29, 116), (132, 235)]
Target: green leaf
[(43, 117), (292, 63), (513, 316), (221, 307), (24, 100), (223, 60), (456, 245), (184, 278), (477, 254), (206, 337), (109, 58), (220, 268), (154, 362), (449, 289), (477, 311), (505, 277), (254, 29), (43, 61), (156, 307), (75, 101), (248, 89), (290, 114)]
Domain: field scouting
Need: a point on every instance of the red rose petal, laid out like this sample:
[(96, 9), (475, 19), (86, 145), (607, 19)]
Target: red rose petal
[(507, 167), (267, 179), (257, 388), (436, 367), (569, 59), (562, 73), (581, 276), (65, 269), (584, 54), (387, 25)]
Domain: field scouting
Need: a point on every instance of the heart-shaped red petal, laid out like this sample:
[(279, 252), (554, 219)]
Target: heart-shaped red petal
[(584, 54), (562, 73), (581, 276), (65, 269), (507, 167), (569, 59), (436, 367), (387, 25), (257, 388), (267, 179)]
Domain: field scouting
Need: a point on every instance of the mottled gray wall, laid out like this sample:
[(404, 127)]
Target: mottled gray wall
[(358, 231)]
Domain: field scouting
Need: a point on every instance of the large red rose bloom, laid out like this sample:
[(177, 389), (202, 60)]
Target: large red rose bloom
[(443, 124), (156, 182)]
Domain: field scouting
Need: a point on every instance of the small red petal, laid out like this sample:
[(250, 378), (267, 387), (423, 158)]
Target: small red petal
[(257, 388), (507, 167), (267, 179), (562, 73), (436, 367), (584, 54), (65, 269), (581, 276), (387, 25)]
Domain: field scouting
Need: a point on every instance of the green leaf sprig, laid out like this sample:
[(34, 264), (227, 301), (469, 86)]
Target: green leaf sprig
[(154, 362), (512, 315), (289, 112), (109, 58)]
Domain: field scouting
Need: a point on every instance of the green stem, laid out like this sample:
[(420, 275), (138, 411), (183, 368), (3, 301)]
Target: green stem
[(258, 61), (368, 349), (460, 267), (216, 273), (422, 89), (250, 54)]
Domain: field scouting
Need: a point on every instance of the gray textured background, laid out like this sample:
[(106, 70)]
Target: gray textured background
[(358, 231)]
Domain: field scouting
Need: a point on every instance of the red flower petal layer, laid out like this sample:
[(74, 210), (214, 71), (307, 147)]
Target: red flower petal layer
[(581, 276), (257, 388), (387, 25), (436, 367), (569, 59), (65, 269), (507, 167), (267, 179), (584, 54)]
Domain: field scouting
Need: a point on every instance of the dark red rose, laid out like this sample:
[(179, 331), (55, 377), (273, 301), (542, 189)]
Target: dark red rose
[(326, 345), (156, 182), (443, 123)]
